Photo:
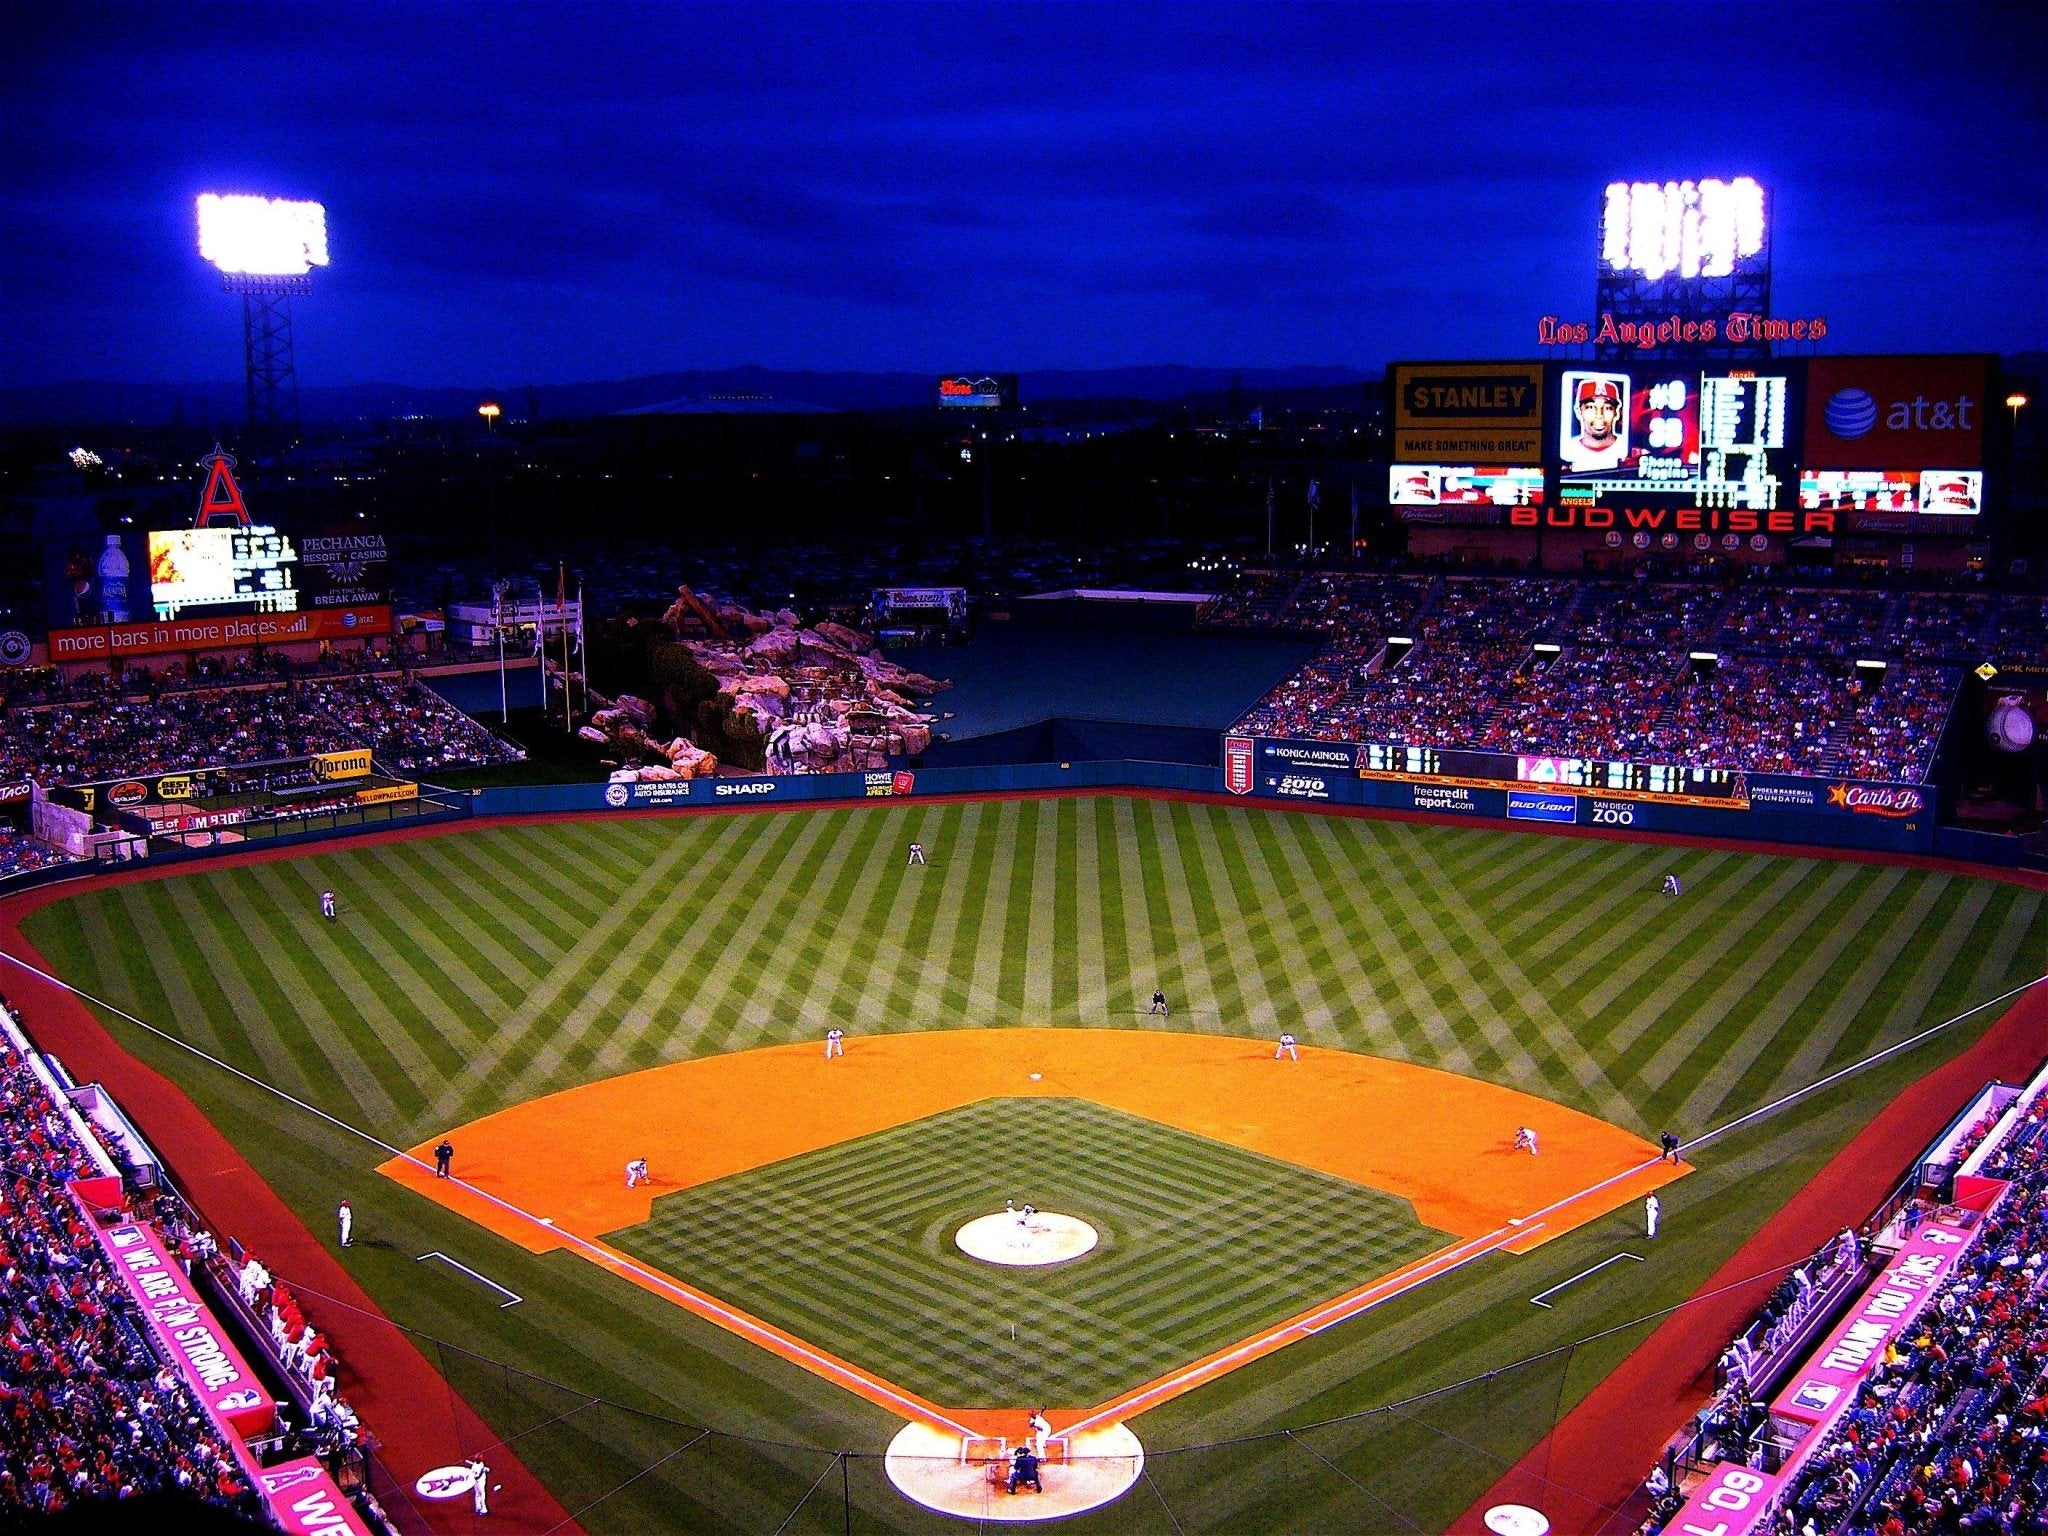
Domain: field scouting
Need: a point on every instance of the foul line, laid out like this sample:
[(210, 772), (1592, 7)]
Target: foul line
[(793, 1349), (879, 1392), (1538, 1301), (437, 1254)]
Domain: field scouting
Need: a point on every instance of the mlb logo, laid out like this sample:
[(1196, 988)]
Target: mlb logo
[(1237, 764), (902, 783), (1815, 1396)]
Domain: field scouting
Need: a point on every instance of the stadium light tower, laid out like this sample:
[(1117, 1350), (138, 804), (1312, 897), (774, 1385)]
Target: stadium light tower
[(265, 249), (1686, 251)]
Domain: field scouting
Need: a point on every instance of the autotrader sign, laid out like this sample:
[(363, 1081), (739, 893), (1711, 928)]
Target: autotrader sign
[(1467, 413)]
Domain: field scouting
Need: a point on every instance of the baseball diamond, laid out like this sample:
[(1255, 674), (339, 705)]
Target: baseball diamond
[(496, 972)]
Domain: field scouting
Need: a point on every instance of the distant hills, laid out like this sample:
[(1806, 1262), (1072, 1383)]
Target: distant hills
[(744, 389)]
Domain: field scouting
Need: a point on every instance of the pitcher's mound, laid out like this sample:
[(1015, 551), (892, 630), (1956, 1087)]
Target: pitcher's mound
[(1015, 1237)]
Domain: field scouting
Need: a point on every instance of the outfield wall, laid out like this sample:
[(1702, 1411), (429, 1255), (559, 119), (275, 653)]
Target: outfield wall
[(1781, 809), (1771, 808)]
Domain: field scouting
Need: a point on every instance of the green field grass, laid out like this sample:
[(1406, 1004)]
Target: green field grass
[(1199, 1245), (474, 970)]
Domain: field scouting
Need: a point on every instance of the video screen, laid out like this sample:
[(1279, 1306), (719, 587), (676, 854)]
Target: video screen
[(222, 570), (1674, 436), (1463, 485), (1929, 492)]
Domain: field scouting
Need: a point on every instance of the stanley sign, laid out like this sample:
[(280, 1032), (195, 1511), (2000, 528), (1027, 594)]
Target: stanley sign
[(1467, 413)]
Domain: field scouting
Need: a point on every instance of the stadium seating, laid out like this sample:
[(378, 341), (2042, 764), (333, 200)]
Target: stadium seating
[(86, 1411), (89, 1410), (20, 853), (410, 729), (1614, 681)]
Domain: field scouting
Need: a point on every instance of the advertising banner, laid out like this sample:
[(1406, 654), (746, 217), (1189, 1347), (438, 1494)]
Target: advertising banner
[(1825, 1386), (184, 1329), (212, 634), (1524, 805), (1731, 1502), (1897, 413), (305, 1501), (385, 794), (978, 391), (352, 764), (655, 792), (344, 568), (1467, 413)]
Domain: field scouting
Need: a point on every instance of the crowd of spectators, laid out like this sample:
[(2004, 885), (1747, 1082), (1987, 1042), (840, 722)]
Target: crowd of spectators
[(1950, 1433), (1256, 600), (1614, 678), (409, 729), (1792, 715), (86, 1410), (19, 853)]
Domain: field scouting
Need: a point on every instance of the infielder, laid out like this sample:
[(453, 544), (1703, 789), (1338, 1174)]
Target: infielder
[(835, 1042), (636, 1172), (1652, 1208), (346, 1220), (1525, 1140), (1286, 1048)]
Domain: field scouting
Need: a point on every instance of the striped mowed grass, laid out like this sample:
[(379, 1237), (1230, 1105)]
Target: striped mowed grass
[(1199, 1244), (476, 969), (473, 971)]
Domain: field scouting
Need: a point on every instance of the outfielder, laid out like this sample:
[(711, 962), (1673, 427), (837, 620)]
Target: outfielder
[(327, 905), (916, 854), (1159, 1003), (1652, 1209), (346, 1220)]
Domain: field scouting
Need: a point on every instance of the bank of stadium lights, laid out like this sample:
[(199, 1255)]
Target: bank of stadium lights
[(1693, 228), (262, 236)]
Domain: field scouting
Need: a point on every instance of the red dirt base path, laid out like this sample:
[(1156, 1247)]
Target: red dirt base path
[(1585, 1472), (416, 1416)]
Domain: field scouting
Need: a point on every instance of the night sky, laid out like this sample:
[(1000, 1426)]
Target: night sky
[(579, 191)]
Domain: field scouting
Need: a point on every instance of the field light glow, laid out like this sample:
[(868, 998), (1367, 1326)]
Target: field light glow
[(262, 236), (1693, 228)]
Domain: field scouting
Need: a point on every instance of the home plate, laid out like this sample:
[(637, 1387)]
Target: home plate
[(930, 1466)]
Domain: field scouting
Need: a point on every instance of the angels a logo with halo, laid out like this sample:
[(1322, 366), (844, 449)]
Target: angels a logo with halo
[(14, 648)]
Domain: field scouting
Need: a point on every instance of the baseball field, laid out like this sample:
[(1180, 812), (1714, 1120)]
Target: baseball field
[(733, 1347)]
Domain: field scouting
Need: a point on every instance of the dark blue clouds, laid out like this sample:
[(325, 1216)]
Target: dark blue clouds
[(569, 191)]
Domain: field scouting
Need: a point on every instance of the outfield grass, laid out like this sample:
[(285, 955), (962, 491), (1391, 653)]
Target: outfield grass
[(475, 970), (1199, 1245)]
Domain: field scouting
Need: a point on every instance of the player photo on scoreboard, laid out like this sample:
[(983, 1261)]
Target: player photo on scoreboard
[(1593, 425)]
